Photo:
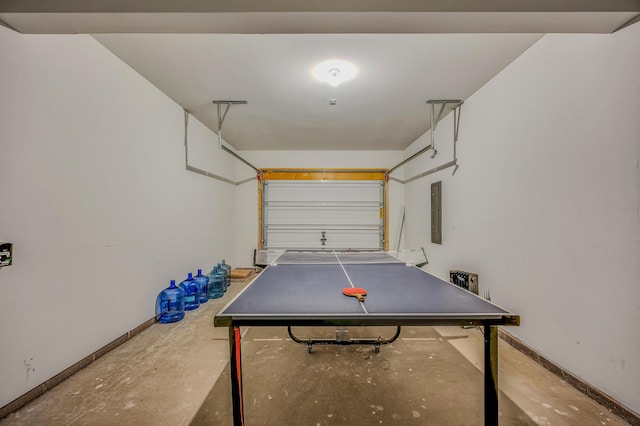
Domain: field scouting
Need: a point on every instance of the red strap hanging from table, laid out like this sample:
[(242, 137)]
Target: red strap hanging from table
[(238, 362)]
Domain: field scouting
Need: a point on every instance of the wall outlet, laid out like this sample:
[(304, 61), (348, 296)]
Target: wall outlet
[(6, 254)]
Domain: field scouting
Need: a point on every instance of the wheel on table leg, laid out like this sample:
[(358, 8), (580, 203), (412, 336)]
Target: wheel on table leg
[(309, 348)]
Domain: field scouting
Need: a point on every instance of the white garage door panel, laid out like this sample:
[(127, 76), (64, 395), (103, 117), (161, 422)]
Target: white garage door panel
[(335, 239), (295, 214), (324, 215), (313, 191)]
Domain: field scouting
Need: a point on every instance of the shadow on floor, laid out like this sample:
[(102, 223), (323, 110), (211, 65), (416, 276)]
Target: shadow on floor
[(418, 380)]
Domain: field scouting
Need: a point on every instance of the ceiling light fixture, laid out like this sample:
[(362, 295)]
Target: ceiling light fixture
[(335, 71)]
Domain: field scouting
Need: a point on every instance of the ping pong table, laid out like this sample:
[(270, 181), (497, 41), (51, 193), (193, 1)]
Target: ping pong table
[(304, 288)]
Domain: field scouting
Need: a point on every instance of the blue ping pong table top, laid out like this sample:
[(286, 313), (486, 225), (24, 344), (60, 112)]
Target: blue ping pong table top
[(306, 289)]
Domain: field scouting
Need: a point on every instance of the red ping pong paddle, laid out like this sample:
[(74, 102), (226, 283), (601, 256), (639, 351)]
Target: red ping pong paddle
[(358, 293)]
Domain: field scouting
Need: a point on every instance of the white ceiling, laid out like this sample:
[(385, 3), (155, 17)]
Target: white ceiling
[(406, 52), (383, 107)]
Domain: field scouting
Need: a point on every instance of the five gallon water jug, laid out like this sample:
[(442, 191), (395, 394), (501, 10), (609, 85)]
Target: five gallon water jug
[(170, 304), (216, 284), (227, 268), (191, 293), (210, 276), (203, 285), (224, 275)]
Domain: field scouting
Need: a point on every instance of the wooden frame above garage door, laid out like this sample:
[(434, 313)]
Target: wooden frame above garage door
[(291, 201)]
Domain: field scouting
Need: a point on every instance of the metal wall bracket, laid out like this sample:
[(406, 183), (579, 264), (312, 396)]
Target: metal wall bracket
[(224, 148), (434, 120), (222, 116), (457, 106)]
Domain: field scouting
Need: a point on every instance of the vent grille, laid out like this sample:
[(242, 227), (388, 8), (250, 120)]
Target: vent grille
[(466, 280)]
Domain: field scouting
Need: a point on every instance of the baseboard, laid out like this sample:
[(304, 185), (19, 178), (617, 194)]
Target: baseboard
[(34, 393), (594, 393)]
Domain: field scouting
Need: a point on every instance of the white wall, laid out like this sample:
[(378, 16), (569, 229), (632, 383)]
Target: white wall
[(545, 206), (97, 201), (247, 196)]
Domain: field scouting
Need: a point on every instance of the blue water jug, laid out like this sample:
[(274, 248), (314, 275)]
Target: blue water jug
[(170, 304), (227, 268), (203, 285), (191, 293), (224, 276), (216, 284)]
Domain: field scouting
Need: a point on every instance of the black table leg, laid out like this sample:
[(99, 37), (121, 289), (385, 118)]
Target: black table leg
[(490, 375), (235, 367)]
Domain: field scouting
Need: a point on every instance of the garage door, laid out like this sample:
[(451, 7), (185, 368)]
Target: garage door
[(317, 214)]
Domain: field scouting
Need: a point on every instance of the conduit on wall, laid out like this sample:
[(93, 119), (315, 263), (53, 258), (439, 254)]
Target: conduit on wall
[(434, 123)]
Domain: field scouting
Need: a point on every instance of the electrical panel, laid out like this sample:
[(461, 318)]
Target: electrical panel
[(436, 212)]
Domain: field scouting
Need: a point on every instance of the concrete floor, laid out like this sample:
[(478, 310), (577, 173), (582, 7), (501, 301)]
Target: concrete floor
[(177, 374)]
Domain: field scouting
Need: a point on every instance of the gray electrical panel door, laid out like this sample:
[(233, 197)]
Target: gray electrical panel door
[(436, 212)]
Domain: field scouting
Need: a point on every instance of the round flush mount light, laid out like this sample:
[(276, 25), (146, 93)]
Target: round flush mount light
[(335, 71)]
